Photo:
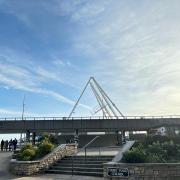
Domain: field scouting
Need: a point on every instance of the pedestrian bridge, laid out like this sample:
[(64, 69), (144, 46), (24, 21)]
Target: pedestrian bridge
[(86, 124)]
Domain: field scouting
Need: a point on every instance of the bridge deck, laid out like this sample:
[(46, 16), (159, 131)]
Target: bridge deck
[(57, 124)]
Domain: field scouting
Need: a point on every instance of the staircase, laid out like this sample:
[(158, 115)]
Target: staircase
[(79, 165)]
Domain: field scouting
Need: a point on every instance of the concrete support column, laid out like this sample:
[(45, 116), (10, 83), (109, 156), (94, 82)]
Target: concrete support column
[(123, 139), (33, 138), (76, 136), (27, 136), (118, 141)]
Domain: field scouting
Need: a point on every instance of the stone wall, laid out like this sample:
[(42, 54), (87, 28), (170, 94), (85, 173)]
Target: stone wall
[(32, 167), (146, 171)]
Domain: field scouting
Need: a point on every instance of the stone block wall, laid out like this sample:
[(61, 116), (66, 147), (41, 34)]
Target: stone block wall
[(146, 171), (32, 167)]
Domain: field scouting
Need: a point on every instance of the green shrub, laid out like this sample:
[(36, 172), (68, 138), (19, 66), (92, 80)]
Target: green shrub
[(156, 138), (27, 155), (156, 148), (44, 148), (135, 155), (155, 158), (27, 146), (170, 148)]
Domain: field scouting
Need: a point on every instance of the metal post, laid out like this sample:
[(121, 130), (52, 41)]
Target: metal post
[(100, 101), (85, 152), (22, 120), (72, 165), (76, 136), (79, 99), (103, 93)]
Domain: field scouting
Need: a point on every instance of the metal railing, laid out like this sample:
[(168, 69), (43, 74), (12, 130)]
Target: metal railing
[(88, 118), (85, 151)]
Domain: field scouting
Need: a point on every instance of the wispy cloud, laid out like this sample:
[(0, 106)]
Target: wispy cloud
[(131, 47), (21, 78), (137, 58), (12, 113)]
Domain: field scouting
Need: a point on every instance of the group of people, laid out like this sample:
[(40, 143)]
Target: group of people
[(8, 145)]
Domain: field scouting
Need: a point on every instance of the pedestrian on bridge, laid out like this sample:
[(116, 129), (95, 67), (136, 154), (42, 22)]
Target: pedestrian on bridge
[(2, 145)]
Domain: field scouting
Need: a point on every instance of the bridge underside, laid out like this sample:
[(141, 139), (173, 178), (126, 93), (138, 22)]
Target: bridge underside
[(89, 125)]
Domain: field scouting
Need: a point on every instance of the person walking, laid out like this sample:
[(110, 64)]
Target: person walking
[(10, 144), (6, 145), (2, 145), (15, 144)]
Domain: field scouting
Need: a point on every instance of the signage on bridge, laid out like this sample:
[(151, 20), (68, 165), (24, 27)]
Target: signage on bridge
[(117, 172)]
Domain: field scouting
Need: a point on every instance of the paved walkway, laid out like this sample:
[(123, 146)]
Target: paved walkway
[(59, 177), (103, 151), (4, 164)]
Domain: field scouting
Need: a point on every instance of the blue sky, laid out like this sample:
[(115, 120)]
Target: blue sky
[(49, 49)]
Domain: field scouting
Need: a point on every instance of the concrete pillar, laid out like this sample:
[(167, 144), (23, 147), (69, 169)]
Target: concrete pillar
[(27, 136), (118, 141), (33, 138), (123, 139), (76, 136), (171, 131)]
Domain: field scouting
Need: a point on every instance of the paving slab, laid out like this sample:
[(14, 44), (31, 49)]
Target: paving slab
[(4, 165), (103, 151), (58, 177)]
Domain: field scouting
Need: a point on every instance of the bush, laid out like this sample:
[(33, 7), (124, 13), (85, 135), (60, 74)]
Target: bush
[(135, 155), (170, 147), (155, 149), (29, 152), (27, 155), (157, 138), (44, 148), (26, 146), (154, 158)]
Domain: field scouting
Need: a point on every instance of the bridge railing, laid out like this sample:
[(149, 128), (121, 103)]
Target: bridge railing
[(88, 118)]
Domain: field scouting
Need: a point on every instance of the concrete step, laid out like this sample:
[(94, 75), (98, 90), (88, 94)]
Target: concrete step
[(89, 158), (84, 173), (77, 168), (91, 166), (78, 165), (82, 161)]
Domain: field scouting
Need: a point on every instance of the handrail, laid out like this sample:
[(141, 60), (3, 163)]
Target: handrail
[(88, 118), (83, 148), (90, 142)]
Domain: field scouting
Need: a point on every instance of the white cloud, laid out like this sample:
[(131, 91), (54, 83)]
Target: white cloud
[(9, 112), (31, 80), (59, 63), (12, 113), (135, 48), (132, 48)]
